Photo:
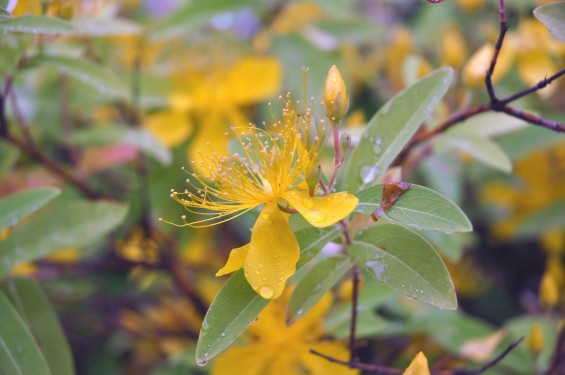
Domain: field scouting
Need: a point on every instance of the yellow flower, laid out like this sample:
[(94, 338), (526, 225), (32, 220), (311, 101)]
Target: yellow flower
[(418, 366), (274, 348), (271, 171), (211, 101)]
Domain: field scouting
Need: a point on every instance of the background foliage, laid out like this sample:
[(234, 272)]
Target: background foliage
[(102, 102)]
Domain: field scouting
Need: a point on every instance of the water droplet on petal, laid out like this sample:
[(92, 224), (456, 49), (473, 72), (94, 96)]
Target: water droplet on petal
[(315, 217), (265, 215), (266, 291), (308, 203)]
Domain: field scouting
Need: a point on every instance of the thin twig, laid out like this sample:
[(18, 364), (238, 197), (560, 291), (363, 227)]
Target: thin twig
[(491, 363)]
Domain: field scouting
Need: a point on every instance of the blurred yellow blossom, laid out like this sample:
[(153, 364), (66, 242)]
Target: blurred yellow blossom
[(418, 366), (453, 47), (475, 70), (271, 171), (535, 338), (273, 348), (208, 103)]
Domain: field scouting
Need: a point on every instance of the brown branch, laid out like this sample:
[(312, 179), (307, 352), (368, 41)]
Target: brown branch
[(503, 30), (491, 363)]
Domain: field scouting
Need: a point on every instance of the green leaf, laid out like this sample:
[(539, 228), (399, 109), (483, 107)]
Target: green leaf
[(196, 14), (392, 127), (406, 262), (541, 221), (114, 134), (61, 225), (553, 17), (38, 25), (315, 282), (311, 240), (33, 306), (101, 78), (480, 148), (22, 203), (450, 246), (418, 207), (235, 307), (19, 353), (5, 15), (101, 26), (490, 124), (368, 324)]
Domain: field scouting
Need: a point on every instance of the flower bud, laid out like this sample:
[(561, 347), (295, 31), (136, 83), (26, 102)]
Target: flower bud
[(535, 339), (335, 95), (345, 140)]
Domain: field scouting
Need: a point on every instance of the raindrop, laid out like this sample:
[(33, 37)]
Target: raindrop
[(300, 312), (369, 173), (223, 334), (315, 217), (308, 203), (266, 291), (201, 362)]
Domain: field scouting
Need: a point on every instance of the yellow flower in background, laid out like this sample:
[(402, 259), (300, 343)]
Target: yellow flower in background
[(475, 70), (209, 103), (453, 46), (418, 366), (273, 348), (271, 170), (535, 54)]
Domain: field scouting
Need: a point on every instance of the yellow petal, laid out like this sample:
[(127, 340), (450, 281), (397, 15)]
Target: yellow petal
[(171, 128), (235, 261), (534, 66), (273, 253), (210, 137), (322, 212), (321, 366), (253, 79), (244, 360), (418, 366)]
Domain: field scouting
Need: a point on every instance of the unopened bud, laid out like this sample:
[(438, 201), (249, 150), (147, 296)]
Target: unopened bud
[(535, 339), (345, 140), (335, 95), (312, 179)]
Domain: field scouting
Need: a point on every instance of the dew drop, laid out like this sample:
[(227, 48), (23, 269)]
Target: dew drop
[(315, 217), (266, 291), (368, 173), (265, 216), (201, 362), (223, 334), (308, 203)]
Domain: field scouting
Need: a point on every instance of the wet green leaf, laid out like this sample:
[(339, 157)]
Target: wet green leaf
[(315, 282), (34, 308), (406, 262), (235, 307), (19, 353), (38, 25), (311, 240), (22, 203), (418, 207), (59, 226), (392, 127)]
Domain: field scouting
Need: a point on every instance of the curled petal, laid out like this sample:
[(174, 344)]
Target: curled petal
[(235, 261), (322, 212), (273, 253)]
